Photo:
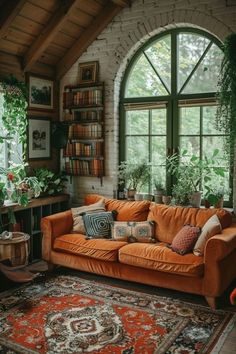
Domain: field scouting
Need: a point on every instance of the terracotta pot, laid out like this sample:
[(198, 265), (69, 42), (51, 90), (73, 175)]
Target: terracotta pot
[(130, 194), (219, 204)]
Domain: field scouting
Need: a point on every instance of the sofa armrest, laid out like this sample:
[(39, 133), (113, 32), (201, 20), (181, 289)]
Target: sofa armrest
[(221, 245), (53, 226), (219, 259)]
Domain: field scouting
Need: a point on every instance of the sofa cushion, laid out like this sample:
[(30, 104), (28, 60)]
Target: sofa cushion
[(133, 231), (160, 257), (127, 210), (96, 248), (98, 224), (170, 219), (185, 239), (211, 228), (78, 224)]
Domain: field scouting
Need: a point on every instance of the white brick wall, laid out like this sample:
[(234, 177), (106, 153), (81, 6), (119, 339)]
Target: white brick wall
[(116, 45)]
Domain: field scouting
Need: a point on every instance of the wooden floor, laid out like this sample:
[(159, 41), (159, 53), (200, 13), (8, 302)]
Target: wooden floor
[(229, 346)]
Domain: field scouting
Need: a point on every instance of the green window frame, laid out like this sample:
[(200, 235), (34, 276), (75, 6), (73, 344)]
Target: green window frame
[(175, 93)]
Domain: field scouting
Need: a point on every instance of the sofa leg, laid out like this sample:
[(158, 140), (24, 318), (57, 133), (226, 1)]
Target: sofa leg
[(212, 301)]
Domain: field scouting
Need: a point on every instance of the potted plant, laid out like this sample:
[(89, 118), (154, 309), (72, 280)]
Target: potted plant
[(50, 183), (192, 175), (31, 186), (215, 196), (159, 190), (133, 176)]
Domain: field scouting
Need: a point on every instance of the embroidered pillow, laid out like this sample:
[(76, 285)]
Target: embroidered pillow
[(185, 239), (78, 223), (98, 225), (210, 228), (132, 231)]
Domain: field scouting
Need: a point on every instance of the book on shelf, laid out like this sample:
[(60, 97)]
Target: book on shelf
[(93, 167), (82, 98), (75, 148), (93, 130)]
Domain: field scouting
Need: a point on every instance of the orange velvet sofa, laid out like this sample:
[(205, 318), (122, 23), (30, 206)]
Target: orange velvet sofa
[(148, 263)]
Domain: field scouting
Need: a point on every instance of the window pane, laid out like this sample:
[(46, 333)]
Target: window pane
[(143, 81), (137, 149), (189, 120), (160, 56), (190, 49), (137, 122), (208, 122), (158, 174), (191, 144), (206, 75), (159, 121), (210, 143), (158, 150)]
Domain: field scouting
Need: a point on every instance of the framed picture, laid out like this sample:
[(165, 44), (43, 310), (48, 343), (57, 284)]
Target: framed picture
[(88, 72), (41, 92), (39, 138)]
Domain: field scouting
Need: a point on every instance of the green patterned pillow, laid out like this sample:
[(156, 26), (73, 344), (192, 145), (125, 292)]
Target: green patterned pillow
[(98, 225), (133, 231)]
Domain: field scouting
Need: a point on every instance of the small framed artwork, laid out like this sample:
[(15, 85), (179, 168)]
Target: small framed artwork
[(41, 92), (39, 138), (88, 72)]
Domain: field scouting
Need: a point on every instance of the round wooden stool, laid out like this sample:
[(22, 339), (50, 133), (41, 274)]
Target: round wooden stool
[(16, 250)]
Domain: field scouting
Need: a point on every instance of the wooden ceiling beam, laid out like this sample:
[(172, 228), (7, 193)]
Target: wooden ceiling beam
[(8, 12), (87, 37), (49, 32)]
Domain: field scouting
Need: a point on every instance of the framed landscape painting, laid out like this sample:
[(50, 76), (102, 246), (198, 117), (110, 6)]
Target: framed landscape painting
[(39, 138), (41, 92)]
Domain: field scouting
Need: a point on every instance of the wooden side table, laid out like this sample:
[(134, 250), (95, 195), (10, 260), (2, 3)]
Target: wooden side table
[(16, 250)]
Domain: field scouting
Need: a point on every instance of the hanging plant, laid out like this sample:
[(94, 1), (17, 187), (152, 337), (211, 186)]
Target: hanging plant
[(15, 110), (226, 110)]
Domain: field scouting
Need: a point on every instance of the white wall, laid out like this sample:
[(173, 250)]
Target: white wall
[(116, 45)]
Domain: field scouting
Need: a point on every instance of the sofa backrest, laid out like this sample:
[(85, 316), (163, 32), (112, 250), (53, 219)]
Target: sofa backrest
[(127, 210), (170, 219)]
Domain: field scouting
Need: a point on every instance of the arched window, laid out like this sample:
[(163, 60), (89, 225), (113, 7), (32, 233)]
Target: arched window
[(168, 100)]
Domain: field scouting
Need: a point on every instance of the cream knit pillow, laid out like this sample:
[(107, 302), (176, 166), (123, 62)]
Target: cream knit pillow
[(78, 223), (211, 228)]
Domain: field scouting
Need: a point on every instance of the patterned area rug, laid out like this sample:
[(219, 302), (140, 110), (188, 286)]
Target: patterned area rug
[(67, 314)]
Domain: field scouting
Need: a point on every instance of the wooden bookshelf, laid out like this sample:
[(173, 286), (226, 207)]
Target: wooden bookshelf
[(83, 113), (28, 218)]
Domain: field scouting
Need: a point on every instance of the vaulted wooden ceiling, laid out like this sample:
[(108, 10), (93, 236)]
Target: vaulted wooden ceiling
[(52, 33)]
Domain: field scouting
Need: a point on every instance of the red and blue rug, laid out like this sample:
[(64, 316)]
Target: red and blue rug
[(69, 315)]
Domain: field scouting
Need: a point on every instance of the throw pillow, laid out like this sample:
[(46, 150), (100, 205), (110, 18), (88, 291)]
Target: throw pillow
[(98, 225), (132, 231), (185, 239), (210, 228), (78, 223)]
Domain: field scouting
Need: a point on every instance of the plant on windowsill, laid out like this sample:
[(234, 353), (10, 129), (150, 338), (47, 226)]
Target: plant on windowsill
[(133, 176), (215, 196), (159, 191), (50, 183), (188, 175)]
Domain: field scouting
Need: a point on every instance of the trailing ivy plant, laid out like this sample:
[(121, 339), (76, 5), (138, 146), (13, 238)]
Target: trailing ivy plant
[(226, 110), (15, 104)]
